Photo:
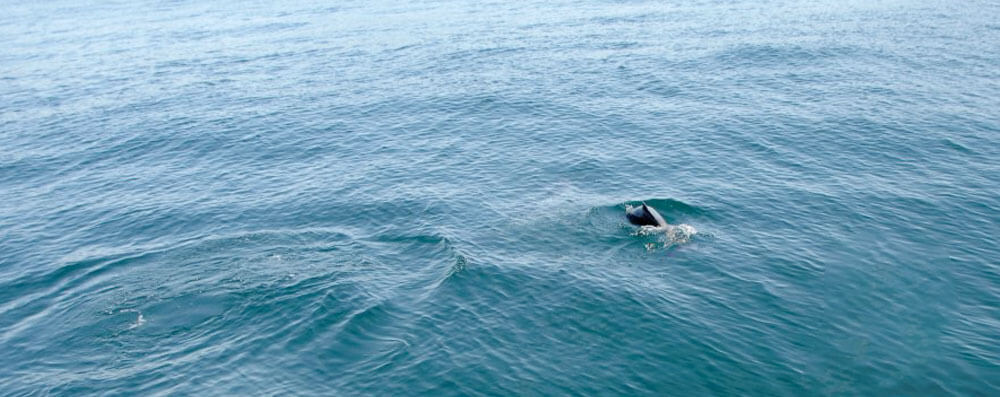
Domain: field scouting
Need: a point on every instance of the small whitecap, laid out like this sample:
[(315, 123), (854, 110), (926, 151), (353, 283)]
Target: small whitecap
[(139, 320), (680, 234)]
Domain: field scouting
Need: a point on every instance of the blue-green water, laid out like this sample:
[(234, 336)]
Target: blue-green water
[(391, 198)]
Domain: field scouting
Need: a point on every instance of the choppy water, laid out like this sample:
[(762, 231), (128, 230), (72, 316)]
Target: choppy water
[(391, 198)]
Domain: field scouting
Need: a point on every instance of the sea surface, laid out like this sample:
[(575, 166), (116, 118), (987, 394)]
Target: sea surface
[(427, 198)]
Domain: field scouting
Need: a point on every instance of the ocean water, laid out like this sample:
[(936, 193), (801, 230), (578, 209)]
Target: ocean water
[(428, 198)]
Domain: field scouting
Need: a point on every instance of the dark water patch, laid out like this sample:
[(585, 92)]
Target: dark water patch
[(626, 19), (952, 144), (763, 55)]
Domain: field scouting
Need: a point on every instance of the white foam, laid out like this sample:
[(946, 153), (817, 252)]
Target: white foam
[(139, 321), (671, 235)]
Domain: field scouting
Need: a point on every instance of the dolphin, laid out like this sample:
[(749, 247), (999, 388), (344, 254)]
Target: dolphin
[(645, 215)]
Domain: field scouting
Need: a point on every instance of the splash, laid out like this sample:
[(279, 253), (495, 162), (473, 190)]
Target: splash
[(667, 236), (139, 320)]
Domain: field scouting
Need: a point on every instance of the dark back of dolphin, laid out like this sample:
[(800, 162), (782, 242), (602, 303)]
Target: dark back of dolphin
[(645, 216)]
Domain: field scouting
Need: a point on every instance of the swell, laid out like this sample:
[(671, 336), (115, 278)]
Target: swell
[(343, 297), (25, 300), (354, 325), (488, 306), (29, 295)]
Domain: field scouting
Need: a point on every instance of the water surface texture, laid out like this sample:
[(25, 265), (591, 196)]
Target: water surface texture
[(403, 198)]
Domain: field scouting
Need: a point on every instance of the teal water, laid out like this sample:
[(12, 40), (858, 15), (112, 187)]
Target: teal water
[(379, 198)]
